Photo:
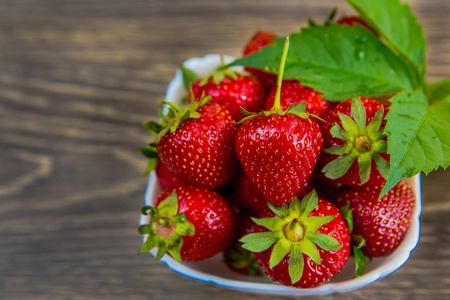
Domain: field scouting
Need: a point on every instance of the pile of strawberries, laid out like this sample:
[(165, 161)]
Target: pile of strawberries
[(280, 180)]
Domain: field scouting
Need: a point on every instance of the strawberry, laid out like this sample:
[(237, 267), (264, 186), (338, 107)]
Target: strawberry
[(352, 20), (354, 144), (381, 224), (231, 89), (165, 177), (196, 143), (293, 92), (279, 149), (237, 258), (246, 193), (190, 223), (302, 244), (259, 40), (324, 186)]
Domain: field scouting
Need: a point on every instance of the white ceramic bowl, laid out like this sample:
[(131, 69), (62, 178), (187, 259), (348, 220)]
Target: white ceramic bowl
[(215, 271)]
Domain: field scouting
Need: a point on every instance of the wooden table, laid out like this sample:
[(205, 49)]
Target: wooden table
[(77, 78)]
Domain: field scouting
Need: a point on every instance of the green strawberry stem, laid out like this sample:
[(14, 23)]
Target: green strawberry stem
[(277, 102), (297, 110)]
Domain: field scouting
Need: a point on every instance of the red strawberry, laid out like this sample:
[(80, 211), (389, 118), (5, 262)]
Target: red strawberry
[(259, 40), (354, 144), (279, 154), (165, 177), (324, 186), (352, 20), (293, 92), (246, 193), (190, 223), (302, 244), (232, 90), (279, 149), (237, 258), (197, 144), (381, 223)]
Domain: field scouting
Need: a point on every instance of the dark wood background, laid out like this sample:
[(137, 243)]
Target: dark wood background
[(77, 78)]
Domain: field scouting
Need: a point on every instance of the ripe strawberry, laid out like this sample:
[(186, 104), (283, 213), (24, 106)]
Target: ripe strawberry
[(293, 92), (237, 258), (382, 224), (354, 144), (279, 149), (302, 244), (190, 223), (352, 20), (197, 143), (231, 89), (165, 177), (259, 40), (246, 193), (324, 186), (279, 154)]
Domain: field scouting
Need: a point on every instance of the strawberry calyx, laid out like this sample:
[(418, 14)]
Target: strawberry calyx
[(172, 116), (292, 231), (242, 260), (357, 242), (165, 229), (221, 73), (362, 143)]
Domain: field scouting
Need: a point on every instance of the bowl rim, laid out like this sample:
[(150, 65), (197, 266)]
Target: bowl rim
[(398, 257)]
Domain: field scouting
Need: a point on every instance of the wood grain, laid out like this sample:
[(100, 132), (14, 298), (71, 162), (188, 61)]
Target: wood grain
[(77, 78)]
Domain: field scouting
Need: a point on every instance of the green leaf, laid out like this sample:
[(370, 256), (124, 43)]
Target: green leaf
[(339, 61), (189, 77), (358, 240), (281, 211), (382, 165), (294, 207), (338, 167), (396, 23), (339, 133), (280, 250), (145, 229), (364, 163), (259, 241), (358, 113), (336, 149), (169, 206), (348, 124), (298, 108), (147, 246), (272, 224), (309, 248), (376, 122), (153, 127), (175, 251), (161, 251), (308, 204), (150, 152), (418, 138), (296, 263), (360, 261), (152, 162), (440, 91), (326, 242), (348, 216), (316, 222)]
